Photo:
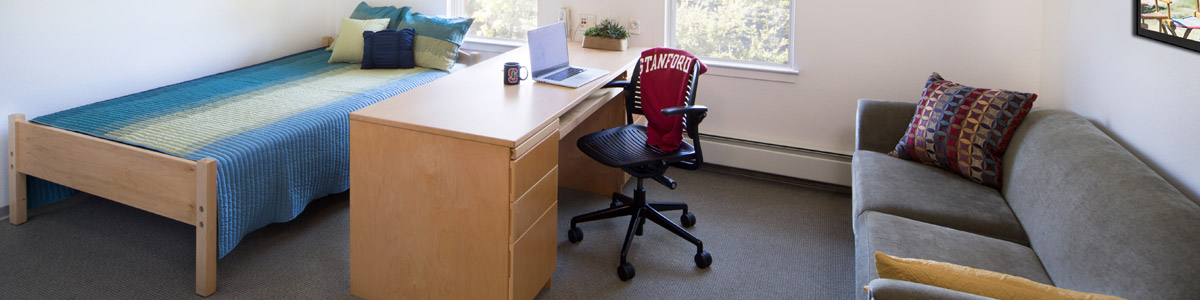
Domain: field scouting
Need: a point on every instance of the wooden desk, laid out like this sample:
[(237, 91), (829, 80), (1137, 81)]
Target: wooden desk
[(455, 182)]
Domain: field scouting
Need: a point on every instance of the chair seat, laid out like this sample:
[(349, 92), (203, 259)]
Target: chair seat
[(1189, 22), (626, 146)]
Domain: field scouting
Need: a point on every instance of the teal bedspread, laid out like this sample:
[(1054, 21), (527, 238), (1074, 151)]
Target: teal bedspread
[(278, 130)]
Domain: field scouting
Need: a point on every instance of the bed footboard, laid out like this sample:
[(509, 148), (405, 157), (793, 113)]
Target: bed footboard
[(169, 186), (16, 180)]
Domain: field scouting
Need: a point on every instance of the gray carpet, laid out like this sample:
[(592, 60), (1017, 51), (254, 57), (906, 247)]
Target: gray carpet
[(768, 240)]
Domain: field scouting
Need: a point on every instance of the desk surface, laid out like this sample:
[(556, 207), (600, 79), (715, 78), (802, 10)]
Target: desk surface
[(474, 104)]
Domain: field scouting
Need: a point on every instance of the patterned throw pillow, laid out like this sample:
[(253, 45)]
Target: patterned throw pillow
[(964, 129), (438, 39)]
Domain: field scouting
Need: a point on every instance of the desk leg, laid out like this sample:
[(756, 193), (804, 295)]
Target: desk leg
[(580, 172)]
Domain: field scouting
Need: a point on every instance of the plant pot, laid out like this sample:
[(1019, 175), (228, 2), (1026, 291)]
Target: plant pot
[(603, 43)]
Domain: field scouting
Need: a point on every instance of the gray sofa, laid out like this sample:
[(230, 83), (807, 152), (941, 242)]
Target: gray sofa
[(1076, 211)]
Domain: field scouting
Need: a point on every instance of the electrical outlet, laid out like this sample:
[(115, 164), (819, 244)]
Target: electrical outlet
[(635, 26), (585, 21)]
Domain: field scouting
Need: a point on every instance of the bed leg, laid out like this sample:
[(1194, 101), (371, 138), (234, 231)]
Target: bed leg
[(206, 227), (16, 180)]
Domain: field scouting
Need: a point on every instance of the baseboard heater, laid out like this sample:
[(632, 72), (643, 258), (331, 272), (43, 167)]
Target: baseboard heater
[(809, 164)]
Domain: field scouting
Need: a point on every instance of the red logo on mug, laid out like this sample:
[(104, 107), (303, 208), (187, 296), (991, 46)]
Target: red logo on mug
[(512, 73)]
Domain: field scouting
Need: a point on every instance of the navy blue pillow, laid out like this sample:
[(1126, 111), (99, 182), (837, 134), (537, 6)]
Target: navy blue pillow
[(388, 49)]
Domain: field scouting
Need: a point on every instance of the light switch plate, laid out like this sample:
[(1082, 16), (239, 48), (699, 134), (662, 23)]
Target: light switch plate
[(635, 26)]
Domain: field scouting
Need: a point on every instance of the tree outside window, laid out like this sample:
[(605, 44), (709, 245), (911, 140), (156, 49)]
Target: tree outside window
[(745, 30), (507, 19)]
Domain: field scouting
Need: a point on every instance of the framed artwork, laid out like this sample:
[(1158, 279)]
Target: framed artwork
[(1175, 22)]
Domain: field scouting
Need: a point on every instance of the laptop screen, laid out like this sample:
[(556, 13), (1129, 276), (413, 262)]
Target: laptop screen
[(548, 48)]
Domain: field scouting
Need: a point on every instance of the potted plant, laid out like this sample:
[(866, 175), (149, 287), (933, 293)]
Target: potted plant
[(608, 35)]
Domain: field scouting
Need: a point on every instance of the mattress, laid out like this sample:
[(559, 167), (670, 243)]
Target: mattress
[(278, 130)]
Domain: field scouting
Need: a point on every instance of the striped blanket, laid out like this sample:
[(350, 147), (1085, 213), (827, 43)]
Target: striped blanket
[(278, 130)]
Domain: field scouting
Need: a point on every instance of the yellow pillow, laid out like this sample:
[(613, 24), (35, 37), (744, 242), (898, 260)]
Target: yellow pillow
[(970, 280), (348, 46)]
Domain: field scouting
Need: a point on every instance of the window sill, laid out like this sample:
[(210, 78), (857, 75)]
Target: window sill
[(720, 68), (752, 71), (491, 44)]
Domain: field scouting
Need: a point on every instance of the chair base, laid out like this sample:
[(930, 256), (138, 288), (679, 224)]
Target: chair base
[(640, 211)]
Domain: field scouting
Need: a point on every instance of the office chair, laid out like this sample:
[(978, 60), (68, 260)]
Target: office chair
[(625, 147)]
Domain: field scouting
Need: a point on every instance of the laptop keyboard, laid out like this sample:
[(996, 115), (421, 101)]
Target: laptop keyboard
[(564, 74)]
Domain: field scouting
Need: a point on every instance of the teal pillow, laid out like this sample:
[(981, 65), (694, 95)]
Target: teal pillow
[(438, 38), (366, 12)]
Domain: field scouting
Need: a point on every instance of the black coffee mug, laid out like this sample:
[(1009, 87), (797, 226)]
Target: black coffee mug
[(512, 72)]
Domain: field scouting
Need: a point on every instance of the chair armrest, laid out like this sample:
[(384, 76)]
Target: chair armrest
[(881, 124), (889, 289), (694, 110), (616, 84)]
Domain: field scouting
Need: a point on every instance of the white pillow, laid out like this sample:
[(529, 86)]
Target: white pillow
[(348, 46)]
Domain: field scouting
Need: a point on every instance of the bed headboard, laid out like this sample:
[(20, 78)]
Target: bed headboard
[(464, 57)]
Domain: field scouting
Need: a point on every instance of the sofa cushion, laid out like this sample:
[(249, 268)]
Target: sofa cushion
[(971, 280), (964, 129), (891, 289), (891, 185), (1100, 219), (880, 123), (898, 236)]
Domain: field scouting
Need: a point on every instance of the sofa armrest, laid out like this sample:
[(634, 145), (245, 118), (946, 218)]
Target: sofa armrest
[(889, 289), (881, 124)]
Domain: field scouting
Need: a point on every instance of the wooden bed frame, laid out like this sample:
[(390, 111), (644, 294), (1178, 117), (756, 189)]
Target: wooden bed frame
[(169, 186)]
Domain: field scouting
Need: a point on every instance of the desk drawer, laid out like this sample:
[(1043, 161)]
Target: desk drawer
[(530, 207), (534, 257), (528, 169)]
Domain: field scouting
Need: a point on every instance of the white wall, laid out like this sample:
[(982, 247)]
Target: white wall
[(74, 52), (1141, 92)]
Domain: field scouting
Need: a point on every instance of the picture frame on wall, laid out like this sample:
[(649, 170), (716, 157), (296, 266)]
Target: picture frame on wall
[(1175, 22)]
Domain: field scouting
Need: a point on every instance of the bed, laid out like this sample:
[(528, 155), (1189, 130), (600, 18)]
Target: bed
[(228, 153)]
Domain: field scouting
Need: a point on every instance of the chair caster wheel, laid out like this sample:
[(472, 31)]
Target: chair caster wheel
[(625, 271), (703, 259), (616, 200), (575, 235), (688, 220)]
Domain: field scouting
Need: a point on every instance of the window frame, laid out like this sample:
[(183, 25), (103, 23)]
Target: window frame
[(791, 67)]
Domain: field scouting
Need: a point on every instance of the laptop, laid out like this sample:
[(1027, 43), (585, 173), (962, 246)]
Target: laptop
[(548, 58)]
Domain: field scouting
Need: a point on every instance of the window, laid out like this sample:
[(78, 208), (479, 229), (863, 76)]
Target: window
[(505, 19), (744, 31)]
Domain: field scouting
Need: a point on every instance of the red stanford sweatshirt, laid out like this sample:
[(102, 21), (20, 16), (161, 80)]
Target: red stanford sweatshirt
[(664, 77)]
